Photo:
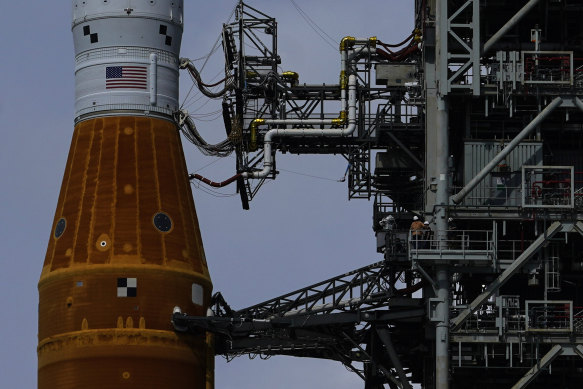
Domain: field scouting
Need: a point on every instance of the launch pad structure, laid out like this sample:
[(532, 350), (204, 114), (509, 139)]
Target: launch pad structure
[(474, 124)]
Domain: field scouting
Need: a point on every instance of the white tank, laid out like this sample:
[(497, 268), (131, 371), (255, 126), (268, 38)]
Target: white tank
[(120, 69)]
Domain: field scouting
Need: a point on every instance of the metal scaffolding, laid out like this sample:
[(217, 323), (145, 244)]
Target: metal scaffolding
[(474, 126)]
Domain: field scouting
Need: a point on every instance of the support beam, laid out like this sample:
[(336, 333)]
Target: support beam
[(511, 23), (476, 81), (440, 216), (457, 198), (406, 150), (541, 365), (389, 376), (578, 103), (505, 276), (417, 267), (578, 350), (385, 337), (442, 357), (578, 227)]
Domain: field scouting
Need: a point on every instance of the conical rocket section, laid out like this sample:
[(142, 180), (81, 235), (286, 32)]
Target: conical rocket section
[(125, 245)]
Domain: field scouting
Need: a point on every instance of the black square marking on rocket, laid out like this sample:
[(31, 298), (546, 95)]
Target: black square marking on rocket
[(86, 30), (127, 287), (164, 31), (94, 38)]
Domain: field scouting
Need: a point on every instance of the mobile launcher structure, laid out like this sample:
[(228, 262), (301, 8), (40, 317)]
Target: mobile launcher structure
[(472, 123)]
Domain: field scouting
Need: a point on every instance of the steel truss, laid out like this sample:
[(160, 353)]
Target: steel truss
[(350, 318), (479, 86), (250, 45)]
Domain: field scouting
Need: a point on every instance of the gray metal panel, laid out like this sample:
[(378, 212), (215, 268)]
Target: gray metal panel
[(127, 32), (395, 74), (500, 188), (171, 10), (126, 56), (91, 94)]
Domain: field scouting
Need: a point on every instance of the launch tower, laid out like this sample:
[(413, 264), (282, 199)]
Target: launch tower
[(474, 124)]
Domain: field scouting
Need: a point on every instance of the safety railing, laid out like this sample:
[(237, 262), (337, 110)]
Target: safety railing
[(482, 321), (510, 249), (578, 319), (499, 194), (578, 194), (548, 187), (549, 315), (401, 115), (547, 67), (459, 245)]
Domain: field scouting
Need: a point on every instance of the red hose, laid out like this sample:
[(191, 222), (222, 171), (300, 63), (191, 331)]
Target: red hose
[(212, 183), (387, 45), (399, 55)]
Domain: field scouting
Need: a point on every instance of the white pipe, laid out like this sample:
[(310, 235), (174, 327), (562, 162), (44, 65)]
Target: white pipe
[(345, 60), (153, 79), (361, 41), (300, 132), (359, 53)]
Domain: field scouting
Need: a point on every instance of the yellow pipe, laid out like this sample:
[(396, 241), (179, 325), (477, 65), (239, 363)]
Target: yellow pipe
[(341, 120), (347, 42), (418, 35), (343, 80), (292, 76), (254, 124)]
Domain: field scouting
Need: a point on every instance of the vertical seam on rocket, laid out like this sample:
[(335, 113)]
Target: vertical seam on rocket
[(178, 181), (91, 235), (114, 189), (136, 164), (82, 199), (156, 179)]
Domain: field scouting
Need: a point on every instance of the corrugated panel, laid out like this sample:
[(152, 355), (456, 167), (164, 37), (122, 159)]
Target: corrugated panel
[(498, 189)]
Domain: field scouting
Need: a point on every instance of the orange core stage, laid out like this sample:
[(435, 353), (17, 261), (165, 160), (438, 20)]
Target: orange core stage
[(125, 248)]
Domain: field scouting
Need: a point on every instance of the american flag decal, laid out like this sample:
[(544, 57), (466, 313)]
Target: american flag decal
[(126, 77)]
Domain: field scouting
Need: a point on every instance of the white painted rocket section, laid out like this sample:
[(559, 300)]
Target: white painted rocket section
[(126, 57)]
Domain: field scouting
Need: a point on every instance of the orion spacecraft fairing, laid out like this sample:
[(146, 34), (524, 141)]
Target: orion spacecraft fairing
[(125, 246)]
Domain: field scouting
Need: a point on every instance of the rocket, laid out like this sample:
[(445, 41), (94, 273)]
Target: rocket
[(125, 247)]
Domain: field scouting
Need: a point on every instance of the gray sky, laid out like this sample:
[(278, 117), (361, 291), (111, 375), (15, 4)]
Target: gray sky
[(300, 230)]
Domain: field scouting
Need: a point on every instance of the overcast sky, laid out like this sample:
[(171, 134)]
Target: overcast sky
[(300, 230)]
